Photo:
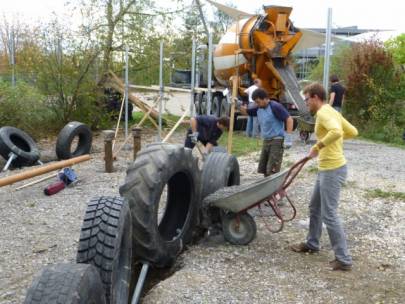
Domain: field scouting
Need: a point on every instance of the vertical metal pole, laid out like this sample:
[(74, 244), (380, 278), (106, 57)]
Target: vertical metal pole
[(126, 91), (209, 78), (160, 91), (12, 57), (327, 50), (192, 79), (139, 284)]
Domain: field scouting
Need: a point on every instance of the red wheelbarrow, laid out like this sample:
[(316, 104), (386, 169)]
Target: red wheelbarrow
[(238, 225)]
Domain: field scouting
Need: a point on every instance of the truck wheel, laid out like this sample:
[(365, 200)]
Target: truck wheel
[(68, 284), (216, 106), (159, 234), (106, 243), (224, 107), (68, 134), (238, 231), (219, 170), (13, 140)]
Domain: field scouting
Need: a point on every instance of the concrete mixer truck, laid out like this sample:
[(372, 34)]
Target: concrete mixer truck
[(255, 46)]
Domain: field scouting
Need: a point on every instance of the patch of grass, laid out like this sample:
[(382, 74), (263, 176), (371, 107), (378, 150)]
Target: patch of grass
[(378, 193), (241, 144)]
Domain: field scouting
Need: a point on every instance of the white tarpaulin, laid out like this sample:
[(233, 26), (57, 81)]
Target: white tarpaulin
[(230, 11)]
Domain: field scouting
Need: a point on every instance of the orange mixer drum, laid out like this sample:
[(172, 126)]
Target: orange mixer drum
[(226, 59)]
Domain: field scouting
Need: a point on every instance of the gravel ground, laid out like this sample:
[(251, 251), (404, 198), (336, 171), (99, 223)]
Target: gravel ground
[(39, 230)]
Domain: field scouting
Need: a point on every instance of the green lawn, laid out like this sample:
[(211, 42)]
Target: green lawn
[(241, 144)]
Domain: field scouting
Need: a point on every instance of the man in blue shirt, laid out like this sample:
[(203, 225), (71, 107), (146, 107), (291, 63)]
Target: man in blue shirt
[(273, 119), (207, 130)]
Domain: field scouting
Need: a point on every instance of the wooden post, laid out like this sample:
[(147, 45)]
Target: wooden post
[(235, 82), (108, 155), (136, 133)]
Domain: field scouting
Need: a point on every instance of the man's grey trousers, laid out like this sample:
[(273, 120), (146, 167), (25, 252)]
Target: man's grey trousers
[(323, 208)]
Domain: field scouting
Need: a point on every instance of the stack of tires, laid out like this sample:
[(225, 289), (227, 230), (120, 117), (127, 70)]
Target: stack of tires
[(118, 232)]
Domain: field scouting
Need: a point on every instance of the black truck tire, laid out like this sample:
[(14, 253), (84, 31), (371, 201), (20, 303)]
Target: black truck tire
[(13, 140), (218, 149), (216, 105), (158, 165), (66, 137), (219, 170), (106, 243), (66, 284), (225, 108), (238, 232)]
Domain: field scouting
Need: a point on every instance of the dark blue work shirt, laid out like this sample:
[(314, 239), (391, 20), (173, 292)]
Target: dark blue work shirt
[(207, 129)]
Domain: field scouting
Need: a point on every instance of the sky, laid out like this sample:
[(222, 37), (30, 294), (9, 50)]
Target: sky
[(387, 14)]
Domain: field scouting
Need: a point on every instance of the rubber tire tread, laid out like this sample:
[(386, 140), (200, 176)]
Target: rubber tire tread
[(248, 221), (24, 158), (66, 136), (143, 185), (66, 284), (216, 172), (106, 236)]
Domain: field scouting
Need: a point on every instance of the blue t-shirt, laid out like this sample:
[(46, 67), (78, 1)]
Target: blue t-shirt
[(271, 120)]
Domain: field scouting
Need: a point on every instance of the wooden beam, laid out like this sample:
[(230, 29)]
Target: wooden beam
[(175, 126), (235, 82), (42, 170)]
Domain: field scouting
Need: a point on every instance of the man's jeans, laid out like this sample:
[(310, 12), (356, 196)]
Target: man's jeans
[(323, 208), (252, 127)]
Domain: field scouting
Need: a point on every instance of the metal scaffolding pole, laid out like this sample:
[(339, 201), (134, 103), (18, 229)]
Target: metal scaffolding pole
[(327, 50), (209, 78), (192, 78), (126, 91), (12, 57), (160, 91)]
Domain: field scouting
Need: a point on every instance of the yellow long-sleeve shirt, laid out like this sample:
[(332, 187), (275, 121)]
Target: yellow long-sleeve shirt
[(330, 129)]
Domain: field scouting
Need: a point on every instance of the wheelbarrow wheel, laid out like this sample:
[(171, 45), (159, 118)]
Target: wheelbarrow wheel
[(238, 230)]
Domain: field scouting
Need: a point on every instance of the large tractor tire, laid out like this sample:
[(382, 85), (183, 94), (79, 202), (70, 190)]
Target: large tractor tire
[(219, 170), (106, 243), (67, 284), (159, 237), (66, 137), (13, 140), (225, 108)]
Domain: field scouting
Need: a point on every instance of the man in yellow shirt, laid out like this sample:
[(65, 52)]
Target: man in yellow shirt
[(331, 128)]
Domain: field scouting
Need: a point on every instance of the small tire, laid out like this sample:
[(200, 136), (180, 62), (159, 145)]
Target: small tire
[(157, 166), (219, 170), (218, 149), (66, 284), (240, 232), (106, 243), (66, 137), (13, 140), (304, 136)]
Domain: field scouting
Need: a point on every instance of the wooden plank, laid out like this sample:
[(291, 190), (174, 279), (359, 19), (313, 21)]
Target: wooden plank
[(175, 126), (42, 170)]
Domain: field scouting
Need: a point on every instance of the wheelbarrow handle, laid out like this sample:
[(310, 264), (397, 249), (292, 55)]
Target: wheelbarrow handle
[(293, 172)]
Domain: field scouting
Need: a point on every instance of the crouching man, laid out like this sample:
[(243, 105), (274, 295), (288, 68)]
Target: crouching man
[(207, 130)]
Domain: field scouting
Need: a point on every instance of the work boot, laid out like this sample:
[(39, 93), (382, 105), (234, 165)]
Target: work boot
[(303, 248), (338, 265)]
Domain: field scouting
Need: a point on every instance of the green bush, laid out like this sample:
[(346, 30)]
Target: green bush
[(24, 107)]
